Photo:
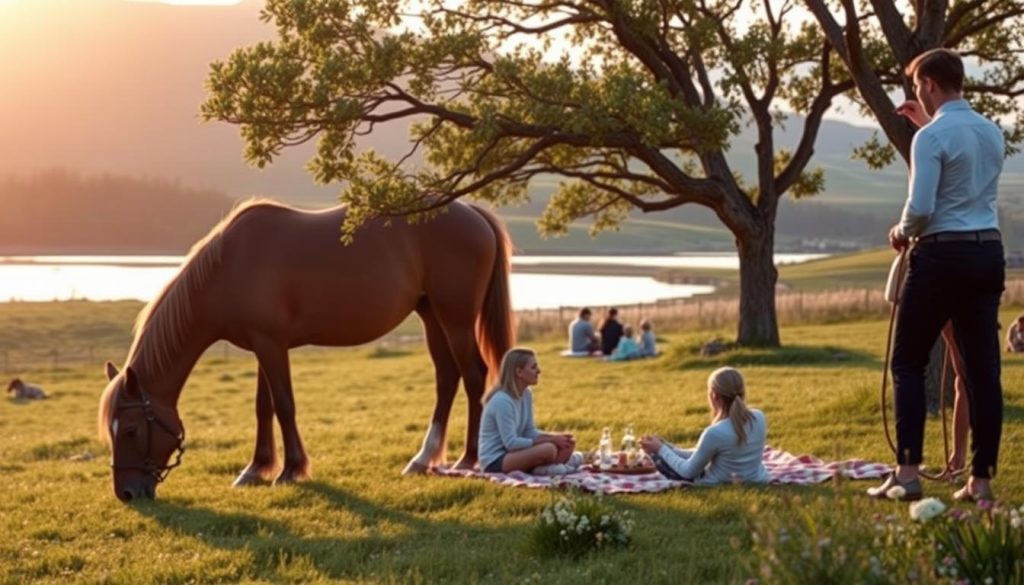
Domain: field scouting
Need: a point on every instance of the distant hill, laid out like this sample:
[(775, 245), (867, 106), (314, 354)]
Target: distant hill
[(60, 212), (107, 87)]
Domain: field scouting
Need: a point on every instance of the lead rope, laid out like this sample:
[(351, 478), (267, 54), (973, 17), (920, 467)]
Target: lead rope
[(947, 473)]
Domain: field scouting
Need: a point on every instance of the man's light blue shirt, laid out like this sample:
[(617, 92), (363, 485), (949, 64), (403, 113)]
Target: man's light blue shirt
[(954, 173)]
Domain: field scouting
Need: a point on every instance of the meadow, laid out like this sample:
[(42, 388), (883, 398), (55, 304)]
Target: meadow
[(363, 412)]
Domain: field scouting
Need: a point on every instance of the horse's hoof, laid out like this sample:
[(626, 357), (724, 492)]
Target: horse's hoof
[(465, 464), (250, 480), (415, 468), (292, 477)]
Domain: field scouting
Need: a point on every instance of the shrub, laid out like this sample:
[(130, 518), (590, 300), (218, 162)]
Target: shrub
[(574, 525), (842, 541)]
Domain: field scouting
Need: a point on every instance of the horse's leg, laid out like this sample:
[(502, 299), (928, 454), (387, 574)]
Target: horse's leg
[(260, 470), (275, 369), (446, 376), (462, 341)]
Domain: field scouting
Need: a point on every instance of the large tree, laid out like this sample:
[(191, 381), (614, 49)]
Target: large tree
[(877, 39), (632, 103)]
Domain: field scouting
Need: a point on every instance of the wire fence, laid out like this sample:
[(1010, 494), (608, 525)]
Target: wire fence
[(793, 308)]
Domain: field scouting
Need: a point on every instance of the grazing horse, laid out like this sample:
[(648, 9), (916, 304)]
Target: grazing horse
[(269, 278)]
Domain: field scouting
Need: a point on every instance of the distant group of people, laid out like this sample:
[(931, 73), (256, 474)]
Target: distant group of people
[(614, 340)]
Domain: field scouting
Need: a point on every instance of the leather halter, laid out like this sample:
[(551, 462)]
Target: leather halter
[(159, 472)]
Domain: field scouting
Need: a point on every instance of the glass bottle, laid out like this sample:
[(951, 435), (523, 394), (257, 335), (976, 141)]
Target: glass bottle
[(605, 449), (629, 445)]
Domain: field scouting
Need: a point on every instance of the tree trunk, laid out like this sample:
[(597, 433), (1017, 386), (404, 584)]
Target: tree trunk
[(758, 325)]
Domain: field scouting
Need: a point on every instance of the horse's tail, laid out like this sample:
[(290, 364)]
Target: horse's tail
[(495, 327)]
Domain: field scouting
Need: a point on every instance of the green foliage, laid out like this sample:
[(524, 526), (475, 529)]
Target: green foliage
[(577, 524), (984, 546), (800, 543), (614, 99)]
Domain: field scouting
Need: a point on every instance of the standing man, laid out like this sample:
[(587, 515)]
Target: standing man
[(956, 269)]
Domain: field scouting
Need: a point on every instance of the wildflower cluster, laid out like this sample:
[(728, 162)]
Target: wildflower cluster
[(574, 525), (844, 542)]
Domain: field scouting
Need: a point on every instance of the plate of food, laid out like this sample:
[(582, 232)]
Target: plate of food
[(622, 466)]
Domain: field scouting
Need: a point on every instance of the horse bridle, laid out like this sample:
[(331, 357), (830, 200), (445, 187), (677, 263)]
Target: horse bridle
[(159, 472)]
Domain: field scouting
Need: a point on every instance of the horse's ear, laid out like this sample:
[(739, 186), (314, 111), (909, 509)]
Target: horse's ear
[(131, 385), (111, 370)]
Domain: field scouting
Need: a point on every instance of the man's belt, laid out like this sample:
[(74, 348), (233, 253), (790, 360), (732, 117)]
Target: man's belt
[(990, 235)]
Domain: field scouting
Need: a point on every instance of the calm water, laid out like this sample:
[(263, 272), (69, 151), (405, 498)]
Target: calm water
[(100, 278)]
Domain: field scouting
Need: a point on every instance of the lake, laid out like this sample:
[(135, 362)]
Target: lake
[(103, 278)]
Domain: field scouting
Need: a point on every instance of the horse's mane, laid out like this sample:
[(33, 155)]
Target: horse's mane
[(161, 327), (164, 322)]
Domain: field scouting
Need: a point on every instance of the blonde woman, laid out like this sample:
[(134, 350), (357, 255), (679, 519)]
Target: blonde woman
[(729, 450), (509, 439)]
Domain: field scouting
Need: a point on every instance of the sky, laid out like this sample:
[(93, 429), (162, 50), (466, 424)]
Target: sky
[(114, 86)]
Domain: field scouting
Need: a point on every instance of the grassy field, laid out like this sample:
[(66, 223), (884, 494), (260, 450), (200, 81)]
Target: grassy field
[(363, 412)]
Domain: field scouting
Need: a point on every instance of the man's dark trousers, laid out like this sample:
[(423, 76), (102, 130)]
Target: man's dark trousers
[(962, 281)]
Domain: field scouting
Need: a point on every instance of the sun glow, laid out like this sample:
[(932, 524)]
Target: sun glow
[(190, 2)]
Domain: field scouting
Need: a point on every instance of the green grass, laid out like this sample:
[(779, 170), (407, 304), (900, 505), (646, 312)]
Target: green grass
[(362, 413)]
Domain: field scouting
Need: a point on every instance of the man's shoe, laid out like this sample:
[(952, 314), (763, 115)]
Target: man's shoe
[(964, 495), (894, 489)]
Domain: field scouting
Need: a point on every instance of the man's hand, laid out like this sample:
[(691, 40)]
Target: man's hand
[(896, 238), (913, 111)]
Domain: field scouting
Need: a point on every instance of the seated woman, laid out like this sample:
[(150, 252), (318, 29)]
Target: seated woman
[(509, 439), (627, 349), (729, 450)]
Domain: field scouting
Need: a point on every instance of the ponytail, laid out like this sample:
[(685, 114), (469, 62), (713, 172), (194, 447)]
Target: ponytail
[(728, 384), (740, 416)]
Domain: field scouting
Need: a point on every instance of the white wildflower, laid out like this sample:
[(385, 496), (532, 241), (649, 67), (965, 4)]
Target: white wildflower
[(926, 509), (895, 492)]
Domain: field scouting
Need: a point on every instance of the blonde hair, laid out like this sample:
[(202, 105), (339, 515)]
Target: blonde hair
[(515, 358), (727, 383)]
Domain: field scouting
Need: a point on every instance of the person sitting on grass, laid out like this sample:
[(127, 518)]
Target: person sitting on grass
[(729, 450), (627, 349), (509, 439), (582, 338), (648, 343), (1015, 336), (22, 391)]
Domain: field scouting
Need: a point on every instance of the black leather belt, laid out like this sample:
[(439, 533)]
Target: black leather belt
[(991, 235)]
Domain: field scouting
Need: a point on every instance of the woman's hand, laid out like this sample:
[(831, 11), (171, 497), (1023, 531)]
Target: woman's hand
[(651, 444), (561, 441), (913, 111)]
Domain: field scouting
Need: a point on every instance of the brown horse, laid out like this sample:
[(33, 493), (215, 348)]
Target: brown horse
[(269, 278)]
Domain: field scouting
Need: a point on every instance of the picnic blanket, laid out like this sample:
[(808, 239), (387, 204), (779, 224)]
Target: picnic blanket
[(783, 468)]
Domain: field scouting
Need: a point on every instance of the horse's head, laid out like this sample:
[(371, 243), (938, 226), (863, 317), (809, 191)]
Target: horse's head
[(15, 384), (143, 435)]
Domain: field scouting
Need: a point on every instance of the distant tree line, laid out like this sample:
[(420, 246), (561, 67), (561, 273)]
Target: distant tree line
[(61, 211)]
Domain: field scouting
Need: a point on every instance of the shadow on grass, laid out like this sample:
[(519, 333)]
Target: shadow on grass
[(392, 543), (826, 356), (276, 548)]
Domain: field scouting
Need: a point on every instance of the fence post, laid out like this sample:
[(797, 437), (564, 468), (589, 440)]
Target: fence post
[(56, 358), (7, 362)]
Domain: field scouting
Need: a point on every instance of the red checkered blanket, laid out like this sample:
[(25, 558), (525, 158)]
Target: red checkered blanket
[(783, 468)]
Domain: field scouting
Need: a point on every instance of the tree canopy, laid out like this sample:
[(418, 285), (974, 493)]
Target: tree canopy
[(632, 103)]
